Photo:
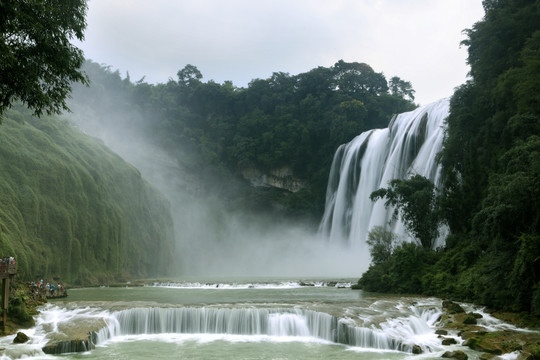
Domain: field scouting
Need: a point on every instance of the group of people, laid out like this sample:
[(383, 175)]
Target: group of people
[(8, 263), (48, 289), (8, 260)]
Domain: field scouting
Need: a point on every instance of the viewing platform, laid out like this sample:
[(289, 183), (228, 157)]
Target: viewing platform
[(7, 270)]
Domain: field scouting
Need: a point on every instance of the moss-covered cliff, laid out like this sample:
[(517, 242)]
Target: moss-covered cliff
[(72, 209)]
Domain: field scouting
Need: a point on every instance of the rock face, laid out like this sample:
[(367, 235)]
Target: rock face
[(282, 178)]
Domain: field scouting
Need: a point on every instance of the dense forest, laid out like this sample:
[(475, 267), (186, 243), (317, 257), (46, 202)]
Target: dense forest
[(72, 210), (490, 198), (219, 131)]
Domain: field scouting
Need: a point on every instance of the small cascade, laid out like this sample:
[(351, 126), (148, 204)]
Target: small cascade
[(408, 146), (253, 321)]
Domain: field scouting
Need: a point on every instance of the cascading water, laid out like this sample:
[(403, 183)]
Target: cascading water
[(408, 146), (256, 321)]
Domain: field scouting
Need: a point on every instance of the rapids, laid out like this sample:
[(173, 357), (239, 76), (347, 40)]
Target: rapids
[(231, 320)]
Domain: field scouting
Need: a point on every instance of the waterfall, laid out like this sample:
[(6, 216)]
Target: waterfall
[(408, 146), (280, 322)]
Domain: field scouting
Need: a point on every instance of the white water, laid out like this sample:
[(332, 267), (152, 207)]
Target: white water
[(142, 322), (408, 146), (251, 285)]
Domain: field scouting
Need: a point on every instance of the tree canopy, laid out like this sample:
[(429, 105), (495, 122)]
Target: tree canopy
[(293, 121), (38, 62)]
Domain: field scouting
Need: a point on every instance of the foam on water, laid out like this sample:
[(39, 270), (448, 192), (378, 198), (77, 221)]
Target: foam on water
[(250, 285)]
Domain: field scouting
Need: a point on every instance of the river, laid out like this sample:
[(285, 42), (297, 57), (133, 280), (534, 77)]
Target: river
[(243, 319)]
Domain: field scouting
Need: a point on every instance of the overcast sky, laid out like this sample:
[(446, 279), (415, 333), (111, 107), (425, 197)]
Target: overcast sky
[(240, 40)]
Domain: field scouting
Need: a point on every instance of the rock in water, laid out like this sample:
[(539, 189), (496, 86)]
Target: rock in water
[(458, 354), (452, 308), (21, 338)]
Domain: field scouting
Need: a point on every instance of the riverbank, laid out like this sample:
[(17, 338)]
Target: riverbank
[(24, 300), (459, 326)]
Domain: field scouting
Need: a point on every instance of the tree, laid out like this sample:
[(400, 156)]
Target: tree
[(38, 63), (415, 200), (381, 244), (189, 76), (401, 88)]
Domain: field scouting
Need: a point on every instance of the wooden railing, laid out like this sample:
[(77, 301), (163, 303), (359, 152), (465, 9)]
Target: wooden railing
[(8, 269)]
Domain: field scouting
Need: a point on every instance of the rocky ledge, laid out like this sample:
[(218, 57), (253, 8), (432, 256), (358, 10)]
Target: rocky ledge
[(492, 344), (74, 336)]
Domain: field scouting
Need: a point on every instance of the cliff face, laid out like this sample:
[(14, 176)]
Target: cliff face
[(282, 178), (72, 209)]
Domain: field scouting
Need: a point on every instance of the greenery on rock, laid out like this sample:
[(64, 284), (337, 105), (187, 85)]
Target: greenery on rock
[(491, 174), (73, 210)]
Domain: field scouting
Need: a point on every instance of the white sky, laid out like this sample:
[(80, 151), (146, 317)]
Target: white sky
[(240, 40)]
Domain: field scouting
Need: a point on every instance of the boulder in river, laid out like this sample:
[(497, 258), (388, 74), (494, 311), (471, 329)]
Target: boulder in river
[(21, 338), (458, 354)]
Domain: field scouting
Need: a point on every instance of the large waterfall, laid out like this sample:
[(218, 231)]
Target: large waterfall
[(408, 146)]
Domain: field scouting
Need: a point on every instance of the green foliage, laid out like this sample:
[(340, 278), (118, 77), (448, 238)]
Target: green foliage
[(219, 130), (381, 244), (38, 62), (415, 200), (19, 307), (70, 208), (402, 273), (491, 174), (401, 88)]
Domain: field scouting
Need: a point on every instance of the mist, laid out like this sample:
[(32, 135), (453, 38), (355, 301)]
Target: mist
[(210, 240)]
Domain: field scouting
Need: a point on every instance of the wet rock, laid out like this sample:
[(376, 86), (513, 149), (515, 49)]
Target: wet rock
[(458, 354), (472, 331), (21, 338), (416, 349), (441, 332), (70, 346), (470, 319), (74, 336), (483, 345), (497, 342), (526, 356), (451, 307), (449, 341), (486, 356)]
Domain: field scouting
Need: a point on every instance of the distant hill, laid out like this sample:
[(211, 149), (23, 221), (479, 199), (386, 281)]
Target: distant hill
[(72, 210)]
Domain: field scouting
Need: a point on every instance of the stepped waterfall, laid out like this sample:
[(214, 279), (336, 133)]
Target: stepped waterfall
[(408, 146), (279, 322)]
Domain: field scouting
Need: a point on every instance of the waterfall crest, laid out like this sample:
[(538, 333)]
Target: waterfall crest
[(408, 146)]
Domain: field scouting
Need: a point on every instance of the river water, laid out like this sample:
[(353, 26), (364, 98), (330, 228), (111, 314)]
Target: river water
[(257, 319)]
